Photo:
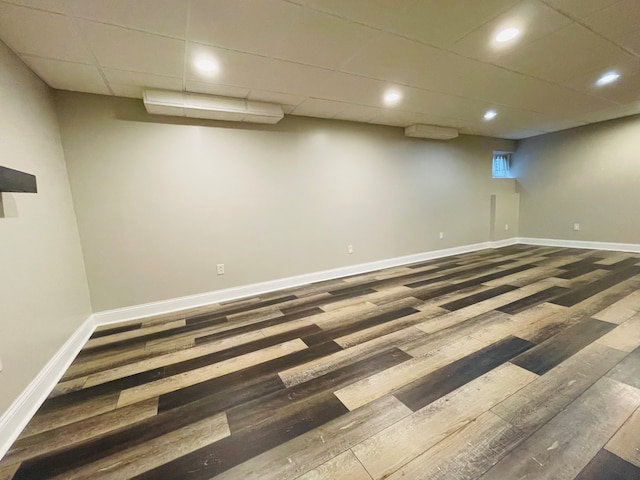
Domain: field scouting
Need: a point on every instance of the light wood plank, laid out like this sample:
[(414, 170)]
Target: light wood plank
[(8, 470), (625, 337), (518, 323), (316, 368), (343, 467), (171, 358), (626, 442), (219, 328), (547, 395), (622, 310), (65, 415), (175, 382), (432, 342), (156, 452), (453, 318), (335, 318), (384, 453), (387, 381), (466, 454), (566, 444), (371, 333), (310, 450)]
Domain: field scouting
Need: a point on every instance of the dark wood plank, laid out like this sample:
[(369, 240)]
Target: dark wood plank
[(579, 294), (212, 460), (253, 413), (607, 466), (628, 370), (532, 300), (477, 297), (315, 333), (233, 380), (558, 348), (458, 274), (117, 329), (79, 396), (428, 389)]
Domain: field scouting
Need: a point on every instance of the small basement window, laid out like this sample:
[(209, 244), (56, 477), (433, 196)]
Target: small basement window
[(500, 165)]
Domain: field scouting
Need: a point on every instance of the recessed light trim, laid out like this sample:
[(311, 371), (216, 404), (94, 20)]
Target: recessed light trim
[(206, 65), (392, 97), (490, 115), (607, 78), (507, 34)]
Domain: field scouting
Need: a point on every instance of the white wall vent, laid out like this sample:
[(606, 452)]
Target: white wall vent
[(192, 105), (430, 131)]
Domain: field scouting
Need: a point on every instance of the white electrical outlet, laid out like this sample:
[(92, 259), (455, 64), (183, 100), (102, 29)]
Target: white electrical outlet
[(220, 268), (350, 248), (576, 226), (0, 364), (506, 226), (441, 235)]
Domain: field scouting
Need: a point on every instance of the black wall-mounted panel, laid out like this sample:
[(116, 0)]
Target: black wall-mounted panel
[(15, 181)]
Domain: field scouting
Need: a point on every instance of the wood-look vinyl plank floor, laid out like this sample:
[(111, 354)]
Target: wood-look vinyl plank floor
[(518, 362)]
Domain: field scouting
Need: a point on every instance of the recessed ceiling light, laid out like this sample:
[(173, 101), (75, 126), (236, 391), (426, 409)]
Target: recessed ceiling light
[(206, 65), (607, 78), (490, 115), (507, 34), (392, 97)]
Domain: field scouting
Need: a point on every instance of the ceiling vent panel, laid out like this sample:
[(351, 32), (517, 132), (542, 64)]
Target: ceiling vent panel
[(430, 131), (191, 105)]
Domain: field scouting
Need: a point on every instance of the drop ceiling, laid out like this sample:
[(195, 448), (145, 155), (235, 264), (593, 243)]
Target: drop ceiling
[(336, 58)]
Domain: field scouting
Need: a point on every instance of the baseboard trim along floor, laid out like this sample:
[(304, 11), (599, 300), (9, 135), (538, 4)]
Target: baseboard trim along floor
[(16, 418)]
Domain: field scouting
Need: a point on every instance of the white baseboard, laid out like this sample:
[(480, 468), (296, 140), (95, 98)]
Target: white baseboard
[(182, 303), (551, 242), (26, 405)]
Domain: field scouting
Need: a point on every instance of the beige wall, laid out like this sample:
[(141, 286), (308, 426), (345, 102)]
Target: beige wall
[(161, 201), (587, 175), (43, 289), (504, 216)]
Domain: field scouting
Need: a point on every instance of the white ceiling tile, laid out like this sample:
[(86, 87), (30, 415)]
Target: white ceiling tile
[(275, 97), (442, 23), (579, 8), (195, 86), (235, 68), (165, 17), (630, 41), (129, 91), (580, 49), (396, 118), (388, 57), (57, 6), (131, 50), (45, 34), (68, 76), (256, 26), (314, 107), (586, 83), (610, 113), (319, 39), (533, 18), (357, 113), (144, 80), (382, 14), (520, 134), (616, 20)]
